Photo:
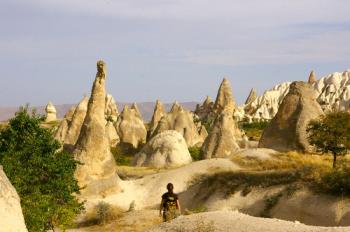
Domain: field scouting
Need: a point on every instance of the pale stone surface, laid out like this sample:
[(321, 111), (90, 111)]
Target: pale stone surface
[(61, 132), (112, 134), (130, 127), (50, 112), (333, 93), (202, 111), (287, 130), (158, 113), (10, 208), (224, 98), (137, 110), (224, 138), (111, 110), (251, 97), (166, 149), (76, 124), (203, 133), (97, 174), (312, 78), (266, 106), (69, 130), (180, 120)]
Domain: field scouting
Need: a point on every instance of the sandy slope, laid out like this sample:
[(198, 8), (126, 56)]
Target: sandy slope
[(147, 191), (234, 221)]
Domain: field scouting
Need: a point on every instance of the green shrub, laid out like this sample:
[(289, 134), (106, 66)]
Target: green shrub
[(336, 181), (124, 153), (254, 130), (196, 153), (42, 176), (103, 212)]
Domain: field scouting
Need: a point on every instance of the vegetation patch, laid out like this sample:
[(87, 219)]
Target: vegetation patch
[(313, 170), (103, 213), (271, 202), (196, 153), (42, 175), (254, 130), (124, 153)]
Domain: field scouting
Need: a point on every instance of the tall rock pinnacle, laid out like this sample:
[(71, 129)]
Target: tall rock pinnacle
[(224, 100), (97, 172)]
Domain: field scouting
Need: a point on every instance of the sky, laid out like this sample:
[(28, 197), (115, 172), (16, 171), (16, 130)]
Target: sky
[(165, 49)]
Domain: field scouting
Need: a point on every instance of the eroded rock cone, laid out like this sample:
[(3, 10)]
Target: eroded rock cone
[(287, 130), (158, 113), (202, 111), (224, 138), (50, 112), (251, 97), (75, 125), (166, 149), (111, 110), (130, 127), (10, 208), (312, 78), (97, 174), (182, 121), (112, 134), (224, 99), (61, 132), (137, 110)]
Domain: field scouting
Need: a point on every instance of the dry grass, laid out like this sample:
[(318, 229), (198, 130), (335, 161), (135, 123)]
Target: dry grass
[(136, 221), (285, 161), (102, 214)]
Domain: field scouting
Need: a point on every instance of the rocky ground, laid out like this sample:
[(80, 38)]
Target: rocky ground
[(222, 221)]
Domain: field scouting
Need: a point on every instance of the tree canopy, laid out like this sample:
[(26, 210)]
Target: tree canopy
[(331, 134), (42, 175)]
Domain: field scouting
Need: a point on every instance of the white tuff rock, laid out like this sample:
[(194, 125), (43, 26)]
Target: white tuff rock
[(166, 149)]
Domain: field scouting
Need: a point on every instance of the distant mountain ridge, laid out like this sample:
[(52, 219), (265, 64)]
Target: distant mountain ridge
[(146, 109)]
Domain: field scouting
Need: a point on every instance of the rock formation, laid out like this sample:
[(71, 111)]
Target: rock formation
[(332, 93), (182, 121), (97, 174), (312, 78), (137, 110), (166, 149), (111, 110), (75, 124), (287, 130), (10, 208), (61, 132), (204, 110), (267, 105), (224, 99), (50, 112), (112, 134), (224, 138), (158, 113), (130, 127), (251, 97)]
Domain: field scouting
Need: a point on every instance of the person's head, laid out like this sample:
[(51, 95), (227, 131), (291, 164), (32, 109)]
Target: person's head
[(170, 187)]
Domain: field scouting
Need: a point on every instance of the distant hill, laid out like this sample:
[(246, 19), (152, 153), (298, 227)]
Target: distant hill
[(146, 109)]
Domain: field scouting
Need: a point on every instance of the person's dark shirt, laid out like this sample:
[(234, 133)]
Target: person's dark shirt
[(169, 198)]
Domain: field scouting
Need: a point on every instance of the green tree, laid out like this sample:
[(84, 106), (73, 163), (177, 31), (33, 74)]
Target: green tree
[(331, 133), (42, 175)]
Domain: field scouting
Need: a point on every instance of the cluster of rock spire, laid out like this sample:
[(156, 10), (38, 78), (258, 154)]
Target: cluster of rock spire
[(94, 125)]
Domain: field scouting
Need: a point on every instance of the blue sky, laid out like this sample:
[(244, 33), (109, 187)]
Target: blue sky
[(166, 49)]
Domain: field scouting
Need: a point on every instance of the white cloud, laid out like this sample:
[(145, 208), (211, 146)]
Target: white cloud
[(263, 12)]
